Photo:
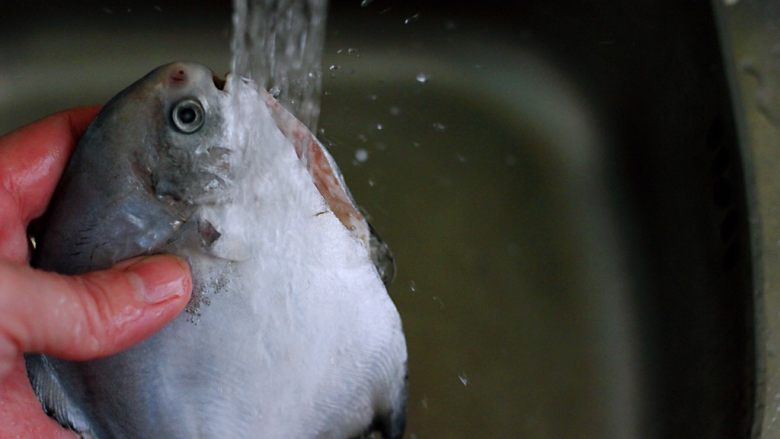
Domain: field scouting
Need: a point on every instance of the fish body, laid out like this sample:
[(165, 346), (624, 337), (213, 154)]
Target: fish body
[(290, 331)]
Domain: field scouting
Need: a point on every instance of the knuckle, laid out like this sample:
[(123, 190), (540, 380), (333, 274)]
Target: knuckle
[(9, 346), (11, 326), (94, 329)]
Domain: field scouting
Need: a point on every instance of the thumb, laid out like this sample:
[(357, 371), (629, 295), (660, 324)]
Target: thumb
[(90, 315)]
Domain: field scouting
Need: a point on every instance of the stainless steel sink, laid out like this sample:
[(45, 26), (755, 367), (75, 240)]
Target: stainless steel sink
[(561, 183)]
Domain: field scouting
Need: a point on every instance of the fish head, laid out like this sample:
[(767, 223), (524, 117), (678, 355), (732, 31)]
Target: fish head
[(192, 148), (152, 157), (170, 125)]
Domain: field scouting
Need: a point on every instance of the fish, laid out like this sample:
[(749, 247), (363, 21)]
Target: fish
[(290, 332)]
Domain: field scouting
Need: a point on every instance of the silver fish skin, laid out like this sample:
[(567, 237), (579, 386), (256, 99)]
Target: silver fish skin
[(290, 332)]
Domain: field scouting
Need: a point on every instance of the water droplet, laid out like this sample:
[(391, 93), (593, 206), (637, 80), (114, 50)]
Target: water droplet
[(321, 131), (438, 126), (275, 91), (424, 402), (361, 155), (372, 97), (461, 158), (364, 3), (416, 144), (379, 127), (371, 183), (422, 78), (412, 286), (464, 379), (411, 19), (333, 67), (362, 138), (395, 111), (351, 51)]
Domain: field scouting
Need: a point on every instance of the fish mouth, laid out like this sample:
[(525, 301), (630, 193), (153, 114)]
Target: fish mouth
[(219, 82)]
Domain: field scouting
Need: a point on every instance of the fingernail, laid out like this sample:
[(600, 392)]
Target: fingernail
[(162, 277)]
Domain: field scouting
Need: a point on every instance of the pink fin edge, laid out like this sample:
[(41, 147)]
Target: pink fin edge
[(323, 169)]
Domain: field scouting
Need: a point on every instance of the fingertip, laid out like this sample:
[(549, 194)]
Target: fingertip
[(160, 278), (79, 118), (133, 300), (91, 315)]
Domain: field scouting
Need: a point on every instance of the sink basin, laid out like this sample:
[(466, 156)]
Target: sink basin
[(562, 186)]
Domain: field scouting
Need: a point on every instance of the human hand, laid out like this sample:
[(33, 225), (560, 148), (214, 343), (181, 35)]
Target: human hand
[(72, 317)]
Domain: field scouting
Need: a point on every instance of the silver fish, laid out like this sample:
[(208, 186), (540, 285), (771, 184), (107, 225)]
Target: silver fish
[(290, 332)]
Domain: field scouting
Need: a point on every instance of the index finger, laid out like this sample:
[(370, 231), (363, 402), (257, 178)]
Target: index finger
[(33, 157)]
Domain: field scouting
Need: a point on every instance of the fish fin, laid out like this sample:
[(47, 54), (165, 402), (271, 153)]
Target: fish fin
[(53, 398), (222, 246), (322, 168), (381, 256), (330, 182)]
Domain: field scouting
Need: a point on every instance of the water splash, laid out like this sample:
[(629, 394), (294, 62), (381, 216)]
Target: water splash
[(279, 44), (361, 155), (412, 18)]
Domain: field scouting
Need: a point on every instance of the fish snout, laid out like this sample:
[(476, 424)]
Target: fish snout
[(182, 74)]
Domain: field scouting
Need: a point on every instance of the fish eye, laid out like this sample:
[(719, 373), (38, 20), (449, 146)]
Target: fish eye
[(187, 115)]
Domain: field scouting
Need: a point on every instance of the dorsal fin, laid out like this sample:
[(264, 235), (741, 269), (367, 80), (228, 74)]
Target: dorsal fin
[(331, 185), (323, 169)]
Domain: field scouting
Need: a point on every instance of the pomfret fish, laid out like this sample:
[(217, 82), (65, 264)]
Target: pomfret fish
[(290, 332)]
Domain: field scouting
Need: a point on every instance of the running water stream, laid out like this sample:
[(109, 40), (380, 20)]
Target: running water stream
[(278, 44)]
